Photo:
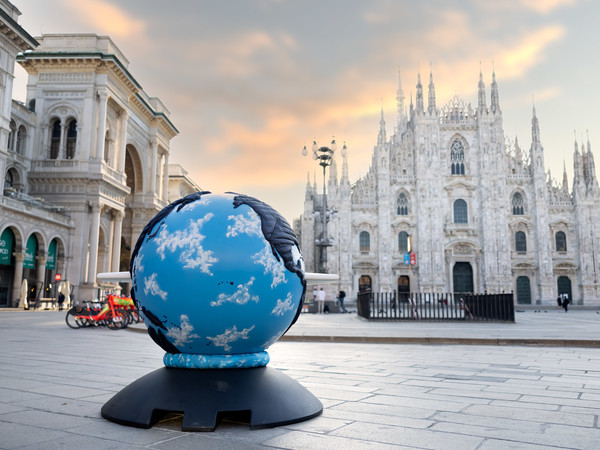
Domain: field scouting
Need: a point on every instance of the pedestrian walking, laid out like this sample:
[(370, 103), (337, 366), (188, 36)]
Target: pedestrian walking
[(341, 296), (559, 301)]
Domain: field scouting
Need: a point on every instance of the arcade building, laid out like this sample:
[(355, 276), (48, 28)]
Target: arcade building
[(85, 162)]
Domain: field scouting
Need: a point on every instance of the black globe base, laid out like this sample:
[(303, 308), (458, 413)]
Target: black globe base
[(268, 397)]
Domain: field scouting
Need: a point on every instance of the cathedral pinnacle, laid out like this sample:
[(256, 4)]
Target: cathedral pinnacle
[(400, 99), (535, 127), (431, 108), (481, 93), (419, 100), (495, 106), (381, 138)]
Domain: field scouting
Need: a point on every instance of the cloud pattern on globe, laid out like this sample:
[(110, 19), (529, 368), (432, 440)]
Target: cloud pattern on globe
[(218, 279)]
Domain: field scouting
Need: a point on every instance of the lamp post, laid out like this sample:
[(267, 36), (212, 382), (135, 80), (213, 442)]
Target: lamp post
[(324, 156)]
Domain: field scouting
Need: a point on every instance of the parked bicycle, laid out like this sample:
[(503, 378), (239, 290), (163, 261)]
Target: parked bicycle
[(113, 314)]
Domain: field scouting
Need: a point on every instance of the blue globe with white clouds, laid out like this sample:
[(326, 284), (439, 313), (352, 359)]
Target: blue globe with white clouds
[(218, 279)]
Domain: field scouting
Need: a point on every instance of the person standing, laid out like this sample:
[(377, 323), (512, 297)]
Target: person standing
[(321, 300), (565, 302), (341, 297)]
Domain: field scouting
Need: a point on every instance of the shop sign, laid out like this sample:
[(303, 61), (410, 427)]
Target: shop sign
[(6, 245), (30, 252), (51, 260)]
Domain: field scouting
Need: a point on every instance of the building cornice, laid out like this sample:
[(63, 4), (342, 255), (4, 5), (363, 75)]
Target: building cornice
[(13, 31)]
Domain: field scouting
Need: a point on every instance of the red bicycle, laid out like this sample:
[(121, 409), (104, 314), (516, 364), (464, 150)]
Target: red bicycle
[(112, 315)]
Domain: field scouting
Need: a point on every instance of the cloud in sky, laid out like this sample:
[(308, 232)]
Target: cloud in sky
[(248, 90), (106, 16)]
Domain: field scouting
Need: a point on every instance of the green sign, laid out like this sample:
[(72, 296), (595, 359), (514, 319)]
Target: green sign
[(6, 245), (30, 252), (51, 260)]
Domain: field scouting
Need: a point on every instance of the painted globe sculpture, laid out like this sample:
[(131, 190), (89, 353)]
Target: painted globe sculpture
[(217, 279)]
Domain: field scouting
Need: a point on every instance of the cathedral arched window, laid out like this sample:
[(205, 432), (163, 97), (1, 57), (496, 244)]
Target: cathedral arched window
[(55, 139), (457, 158), (561, 241), (71, 138), (518, 206), (403, 241), (460, 211), (520, 241), (402, 204), (364, 241)]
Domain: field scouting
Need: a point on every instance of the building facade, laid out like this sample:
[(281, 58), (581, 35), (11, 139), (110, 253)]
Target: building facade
[(450, 205), (85, 162)]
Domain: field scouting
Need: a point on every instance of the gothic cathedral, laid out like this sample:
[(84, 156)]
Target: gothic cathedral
[(449, 205)]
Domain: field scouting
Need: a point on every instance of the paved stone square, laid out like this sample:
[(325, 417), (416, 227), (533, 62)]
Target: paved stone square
[(54, 380)]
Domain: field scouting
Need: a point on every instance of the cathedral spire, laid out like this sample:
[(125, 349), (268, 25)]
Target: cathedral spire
[(577, 167), (345, 178), (381, 138), (400, 99), (565, 183), (495, 106), (431, 97), (308, 192), (591, 166), (535, 127), (518, 153), (481, 93), (419, 100)]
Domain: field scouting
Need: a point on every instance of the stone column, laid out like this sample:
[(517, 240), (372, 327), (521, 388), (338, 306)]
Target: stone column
[(123, 141), (93, 252), (61, 146), (153, 158), (45, 153), (116, 243), (14, 141), (166, 179), (99, 154), (17, 280), (40, 275)]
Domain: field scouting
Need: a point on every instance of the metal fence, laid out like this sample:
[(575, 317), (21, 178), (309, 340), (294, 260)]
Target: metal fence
[(434, 307)]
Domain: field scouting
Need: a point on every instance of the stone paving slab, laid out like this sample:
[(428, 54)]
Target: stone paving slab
[(54, 380)]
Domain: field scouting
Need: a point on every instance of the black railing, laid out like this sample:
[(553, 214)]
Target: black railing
[(433, 307)]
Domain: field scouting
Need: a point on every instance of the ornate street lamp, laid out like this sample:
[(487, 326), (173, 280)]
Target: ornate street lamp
[(324, 156)]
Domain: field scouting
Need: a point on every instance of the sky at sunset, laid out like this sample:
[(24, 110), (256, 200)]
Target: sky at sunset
[(248, 83)]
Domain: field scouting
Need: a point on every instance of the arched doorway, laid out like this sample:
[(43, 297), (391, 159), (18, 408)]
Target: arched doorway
[(134, 179), (523, 291), (7, 240), (364, 283), (462, 277), (563, 285), (403, 288), (30, 269)]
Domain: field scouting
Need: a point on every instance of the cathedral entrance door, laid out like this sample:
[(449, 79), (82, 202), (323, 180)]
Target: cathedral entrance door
[(364, 283), (403, 288), (523, 291), (462, 276), (564, 287)]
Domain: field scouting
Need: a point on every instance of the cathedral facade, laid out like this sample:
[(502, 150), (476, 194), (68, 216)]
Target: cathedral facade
[(449, 205)]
